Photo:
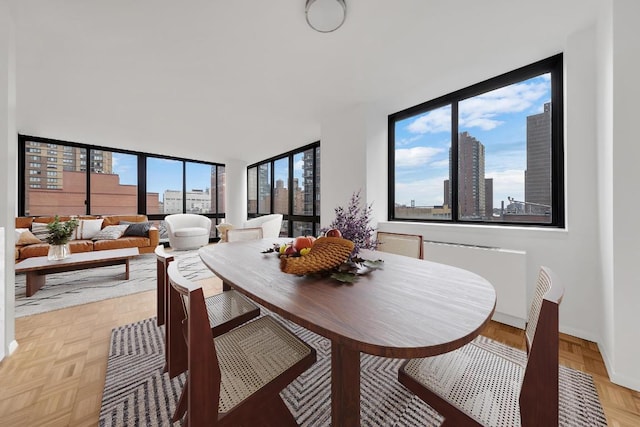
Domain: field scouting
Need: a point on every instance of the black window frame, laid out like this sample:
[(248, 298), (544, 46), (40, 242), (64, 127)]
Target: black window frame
[(552, 65), (141, 176), (290, 218)]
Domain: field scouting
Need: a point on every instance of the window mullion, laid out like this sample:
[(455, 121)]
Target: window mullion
[(454, 165)]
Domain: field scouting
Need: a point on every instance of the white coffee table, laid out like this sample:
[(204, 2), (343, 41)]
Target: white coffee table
[(37, 268)]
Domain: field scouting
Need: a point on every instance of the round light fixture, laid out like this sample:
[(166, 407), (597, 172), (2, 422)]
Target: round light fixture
[(325, 16)]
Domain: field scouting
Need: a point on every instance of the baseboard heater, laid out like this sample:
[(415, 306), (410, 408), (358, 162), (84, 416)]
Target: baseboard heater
[(506, 269)]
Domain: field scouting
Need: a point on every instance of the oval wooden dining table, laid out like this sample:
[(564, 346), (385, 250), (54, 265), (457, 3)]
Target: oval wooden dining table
[(410, 308)]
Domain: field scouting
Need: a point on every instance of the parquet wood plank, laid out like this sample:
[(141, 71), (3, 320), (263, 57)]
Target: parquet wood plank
[(56, 376)]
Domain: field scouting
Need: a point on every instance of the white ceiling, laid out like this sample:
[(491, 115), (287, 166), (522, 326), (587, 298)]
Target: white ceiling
[(247, 79)]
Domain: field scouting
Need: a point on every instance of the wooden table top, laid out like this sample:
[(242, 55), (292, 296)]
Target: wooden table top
[(410, 308), (37, 263)]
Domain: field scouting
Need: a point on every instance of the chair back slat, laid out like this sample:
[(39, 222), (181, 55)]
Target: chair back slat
[(204, 371), (539, 392), (542, 287), (241, 234), (410, 245)]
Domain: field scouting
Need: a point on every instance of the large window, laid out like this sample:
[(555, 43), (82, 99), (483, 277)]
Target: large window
[(490, 153), (78, 179), (288, 184)]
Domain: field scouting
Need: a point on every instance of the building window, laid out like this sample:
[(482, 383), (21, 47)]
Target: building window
[(117, 182), (490, 153), (288, 184)]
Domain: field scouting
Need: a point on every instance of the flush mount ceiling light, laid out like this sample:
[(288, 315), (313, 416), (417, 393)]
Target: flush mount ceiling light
[(325, 16)]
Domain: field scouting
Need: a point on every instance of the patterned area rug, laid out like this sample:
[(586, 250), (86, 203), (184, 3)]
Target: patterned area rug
[(80, 287), (137, 393)]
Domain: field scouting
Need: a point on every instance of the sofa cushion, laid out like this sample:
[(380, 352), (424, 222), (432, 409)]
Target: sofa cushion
[(123, 242), (25, 237), (115, 219), (24, 221), (88, 228), (48, 219), (140, 229), (77, 246), (40, 230), (38, 249), (110, 232)]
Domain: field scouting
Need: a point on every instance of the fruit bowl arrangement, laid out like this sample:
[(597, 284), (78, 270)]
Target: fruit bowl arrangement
[(330, 254)]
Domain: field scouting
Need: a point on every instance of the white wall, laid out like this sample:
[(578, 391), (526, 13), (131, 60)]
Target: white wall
[(343, 160), (624, 354), (574, 253), (8, 184), (605, 174)]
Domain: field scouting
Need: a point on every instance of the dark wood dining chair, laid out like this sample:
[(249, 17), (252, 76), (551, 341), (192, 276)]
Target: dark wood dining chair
[(162, 262), (235, 378), (479, 385), (226, 310), (410, 245)]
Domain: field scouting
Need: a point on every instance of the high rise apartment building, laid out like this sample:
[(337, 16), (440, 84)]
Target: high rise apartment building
[(471, 181), (45, 163), (475, 192), (537, 183)]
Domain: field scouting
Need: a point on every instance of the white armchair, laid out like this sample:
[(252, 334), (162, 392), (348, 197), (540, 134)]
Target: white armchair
[(188, 231), (270, 224)]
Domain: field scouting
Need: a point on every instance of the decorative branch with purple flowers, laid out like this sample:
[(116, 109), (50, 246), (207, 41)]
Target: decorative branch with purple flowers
[(353, 223)]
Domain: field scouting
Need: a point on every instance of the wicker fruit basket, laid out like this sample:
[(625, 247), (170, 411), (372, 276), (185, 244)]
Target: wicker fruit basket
[(326, 253)]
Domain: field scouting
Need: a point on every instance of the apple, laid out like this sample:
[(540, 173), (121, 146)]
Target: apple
[(333, 232), (303, 242), (290, 250)]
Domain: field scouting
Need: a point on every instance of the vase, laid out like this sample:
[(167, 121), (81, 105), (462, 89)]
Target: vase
[(58, 252)]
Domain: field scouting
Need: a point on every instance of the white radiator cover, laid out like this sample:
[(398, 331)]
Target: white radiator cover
[(506, 270)]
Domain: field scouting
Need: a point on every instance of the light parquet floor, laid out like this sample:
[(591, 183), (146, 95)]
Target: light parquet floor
[(56, 376)]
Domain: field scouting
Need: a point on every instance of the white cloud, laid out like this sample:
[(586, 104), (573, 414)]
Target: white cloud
[(481, 111), (417, 156), (508, 183), (407, 141), (444, 163), (432, 122), (427, 192), (297, 166)]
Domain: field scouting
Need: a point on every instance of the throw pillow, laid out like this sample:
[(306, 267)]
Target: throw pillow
[(40, 230), (88, 228), (111, 232), (140, 229), (222, 230), (25, 237)]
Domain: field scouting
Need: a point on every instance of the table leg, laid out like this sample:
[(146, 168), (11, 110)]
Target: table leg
[(160, 293), (345, 386), (34, 282), (126, 269)]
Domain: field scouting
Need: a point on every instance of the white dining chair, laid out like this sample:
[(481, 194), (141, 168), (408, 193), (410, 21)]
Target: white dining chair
[(271, 224), (241, 234), (410, 245), (482, 385)]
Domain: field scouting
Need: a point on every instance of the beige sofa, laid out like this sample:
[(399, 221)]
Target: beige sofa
[(145, 244)]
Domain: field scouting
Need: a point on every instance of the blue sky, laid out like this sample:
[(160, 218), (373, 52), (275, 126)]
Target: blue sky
[(281, 169), (162, 174), (498, 119)]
